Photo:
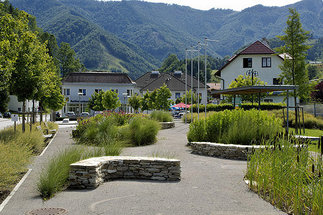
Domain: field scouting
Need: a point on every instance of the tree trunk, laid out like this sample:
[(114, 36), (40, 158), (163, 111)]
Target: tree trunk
[(23, 115), (33, 112)]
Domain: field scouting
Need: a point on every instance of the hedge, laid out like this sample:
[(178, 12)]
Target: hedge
[(245, 106)]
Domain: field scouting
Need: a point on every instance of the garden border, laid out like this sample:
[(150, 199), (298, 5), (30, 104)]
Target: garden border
[(90, 173)]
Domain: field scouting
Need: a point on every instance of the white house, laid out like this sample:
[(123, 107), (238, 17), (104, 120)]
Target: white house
[(16, 106), (259, 60), (78, 88), (175, 81)]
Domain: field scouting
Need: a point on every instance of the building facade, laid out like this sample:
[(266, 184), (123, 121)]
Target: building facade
[(175, 81), (79, 87), (257, 60)]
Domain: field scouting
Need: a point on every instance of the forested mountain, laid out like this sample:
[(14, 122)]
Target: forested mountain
[(105, 33)]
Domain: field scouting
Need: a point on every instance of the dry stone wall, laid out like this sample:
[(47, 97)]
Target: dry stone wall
[(228, 151), (92, 172), (167, 125)]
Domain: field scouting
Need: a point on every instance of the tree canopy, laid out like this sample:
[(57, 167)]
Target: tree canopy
[(110, 100)]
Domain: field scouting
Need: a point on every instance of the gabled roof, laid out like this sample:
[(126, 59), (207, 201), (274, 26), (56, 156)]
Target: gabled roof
[(256, 48), (98, 77), (151, 81)]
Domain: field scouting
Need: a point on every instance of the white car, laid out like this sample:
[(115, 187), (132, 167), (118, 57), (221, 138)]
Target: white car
[(70, 114)]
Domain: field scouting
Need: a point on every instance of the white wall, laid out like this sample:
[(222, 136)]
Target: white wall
[(14, 105), (266, 74), (235, 68), (90, 89)]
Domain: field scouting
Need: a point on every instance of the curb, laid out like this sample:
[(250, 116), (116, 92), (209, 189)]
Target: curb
[(3, 204), (48, 145)]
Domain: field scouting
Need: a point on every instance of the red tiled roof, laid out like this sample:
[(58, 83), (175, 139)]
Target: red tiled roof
[(257, 48)]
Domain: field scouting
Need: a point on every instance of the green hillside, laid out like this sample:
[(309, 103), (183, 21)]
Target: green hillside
[(136, 36)]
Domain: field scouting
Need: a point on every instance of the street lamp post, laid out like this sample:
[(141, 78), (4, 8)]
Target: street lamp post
[(252, 73), (80, 94), (185, 86), (205, 67), (124, 101)]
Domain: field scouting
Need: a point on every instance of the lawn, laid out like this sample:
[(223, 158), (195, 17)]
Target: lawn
[(313, 133)]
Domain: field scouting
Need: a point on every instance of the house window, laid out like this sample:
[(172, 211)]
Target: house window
[(83, 91), (266, 62), (115, 90), (67, 92), (268, 100), (247, 62), (129, 92), (98, 90), (177, 95), (277, 81)]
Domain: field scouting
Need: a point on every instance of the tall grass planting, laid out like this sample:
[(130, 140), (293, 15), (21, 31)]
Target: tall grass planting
[(288, 177), (54, 177), (142, 131), (14, 158), (235, 127), (161, 116), (310, 121)]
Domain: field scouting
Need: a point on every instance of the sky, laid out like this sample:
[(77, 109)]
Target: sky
[(236, 5)]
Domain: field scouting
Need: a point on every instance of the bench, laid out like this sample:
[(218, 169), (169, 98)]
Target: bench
[(90, 173), (305, 138), (49, 130), (46, 136)]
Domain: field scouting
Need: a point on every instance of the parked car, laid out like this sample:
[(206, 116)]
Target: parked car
[(84, 114), (7, 115), (70, 115)]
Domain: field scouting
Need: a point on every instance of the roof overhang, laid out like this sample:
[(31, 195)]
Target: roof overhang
[(254, 89)]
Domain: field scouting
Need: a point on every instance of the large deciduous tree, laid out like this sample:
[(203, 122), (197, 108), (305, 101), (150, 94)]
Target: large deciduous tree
[(68, 61), (295, 50)]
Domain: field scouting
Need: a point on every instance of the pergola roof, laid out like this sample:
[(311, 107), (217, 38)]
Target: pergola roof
[(254, 89)]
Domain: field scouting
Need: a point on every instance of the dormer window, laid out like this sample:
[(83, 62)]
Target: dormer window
[(247, 62), (266, 62)]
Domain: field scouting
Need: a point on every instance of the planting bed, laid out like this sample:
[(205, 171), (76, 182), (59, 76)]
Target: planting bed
[(92, 172)]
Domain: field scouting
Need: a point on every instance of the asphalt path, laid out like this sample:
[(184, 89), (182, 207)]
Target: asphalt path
[(208, 185)]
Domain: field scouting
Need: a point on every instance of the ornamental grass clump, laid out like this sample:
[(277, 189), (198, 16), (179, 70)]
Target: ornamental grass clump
[(161, 116), (142, 131), (287, 176), (235, 127), (14, 158), (54, 177)]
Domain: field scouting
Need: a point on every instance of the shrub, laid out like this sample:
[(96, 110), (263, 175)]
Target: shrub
[(235, 127), (310, 121), (161, 116), (14, 158), (142, 131), (245, 106), (287, 177), (33, 139)]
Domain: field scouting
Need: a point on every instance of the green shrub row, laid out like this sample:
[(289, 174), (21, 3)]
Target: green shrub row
[(235, 127), (161, 116), (310, 121), (245, 106), (287, 177)]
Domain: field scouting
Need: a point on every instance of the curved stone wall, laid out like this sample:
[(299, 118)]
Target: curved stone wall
[(92, 172), (228, 151)]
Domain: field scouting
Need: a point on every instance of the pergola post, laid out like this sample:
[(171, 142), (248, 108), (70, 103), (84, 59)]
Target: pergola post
[(259, 101), (287, 112)]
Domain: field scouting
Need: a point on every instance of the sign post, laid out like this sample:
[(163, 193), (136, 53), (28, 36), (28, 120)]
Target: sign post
[(14, 118)]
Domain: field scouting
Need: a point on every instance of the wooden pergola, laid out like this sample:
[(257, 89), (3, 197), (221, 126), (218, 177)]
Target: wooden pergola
[(258, 90)]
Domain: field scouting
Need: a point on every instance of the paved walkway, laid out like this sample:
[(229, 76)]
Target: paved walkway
[(208, 186)]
